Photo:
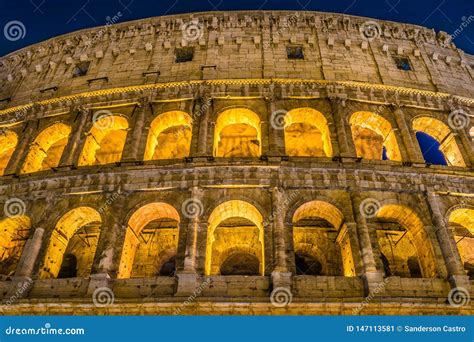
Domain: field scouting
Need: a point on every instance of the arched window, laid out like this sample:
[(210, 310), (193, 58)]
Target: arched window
[(46, 150), (318, 250), (73, 244), (374, 137), (461, 222), (307, 134), (237, 134), (105, 141), (169, 136), (8, 142), (14, 232), (235, 240), (151, 242), (443, 135), (404, 244)]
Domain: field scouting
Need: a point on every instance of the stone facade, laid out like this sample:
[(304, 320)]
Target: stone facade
[(280, 155)]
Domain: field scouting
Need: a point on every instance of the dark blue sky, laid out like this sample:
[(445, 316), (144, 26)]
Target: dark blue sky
[(48, 18)]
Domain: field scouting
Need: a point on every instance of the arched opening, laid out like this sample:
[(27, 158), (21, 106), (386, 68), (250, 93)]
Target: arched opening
[(307, 134), (169, 136), (14, 234), (444, 137), (307, 265), (430, 149), (240, 264), (151, 242), (404, 244), (373, 137), (237, 134), (8, 142), (73, 244), (105, 141), (235, 235), (320, 240), (46, 150), (461, 222), (68, 267)]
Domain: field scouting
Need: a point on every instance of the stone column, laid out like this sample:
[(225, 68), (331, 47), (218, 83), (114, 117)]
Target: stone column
[(465, 143), (344, 133), (408, 139), (188, 278), (202, 115), (276, 129), (22, 282), (371, 275), (456, 275), (73, 149), (110, 245), (281, 274), (134, 149), (22, 149)]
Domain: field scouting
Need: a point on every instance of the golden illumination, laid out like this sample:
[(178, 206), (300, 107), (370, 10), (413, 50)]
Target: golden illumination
[(76, 233), (14, 232), (234, 227), (371, 132), (462, 224), (8, 142), (416, 233), (307, 133), (150, 241), (237, 134), (442, 134), (314, 239), (46, 150), (105, 141), (169, 136), (165, 85)]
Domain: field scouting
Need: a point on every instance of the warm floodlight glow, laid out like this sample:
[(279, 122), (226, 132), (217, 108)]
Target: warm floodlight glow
[(237, 134), (307, 134), (371, 133), (151, 240), (76, 233), (169, 136), (235, 235), (46, 150), (442, 133)]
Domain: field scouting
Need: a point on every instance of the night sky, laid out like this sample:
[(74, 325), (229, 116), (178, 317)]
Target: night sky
[(44, 19)]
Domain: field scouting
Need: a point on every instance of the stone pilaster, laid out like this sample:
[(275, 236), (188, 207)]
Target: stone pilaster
[(344, 134), (276, 131), (135, 145), (196, 231), (22, 149), (205, 136), (409, 140), (456, 275), (73, 149), (371, 275), (22, 282)]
